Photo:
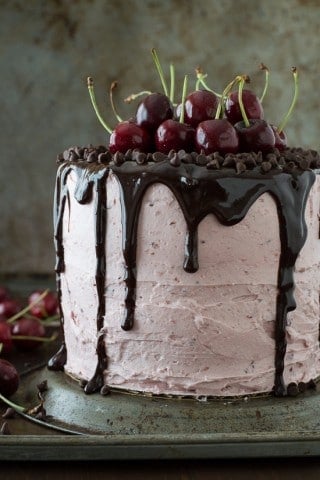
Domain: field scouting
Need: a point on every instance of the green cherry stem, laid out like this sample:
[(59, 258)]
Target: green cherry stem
[(266, 82), (94, 104), (112, 88), (53, 337), (243, 80), (294, 100), (133, 96), (172, 82), (16, 407), (160, 71), (183, 99), (228, 88), (27, 308), (201, 81)]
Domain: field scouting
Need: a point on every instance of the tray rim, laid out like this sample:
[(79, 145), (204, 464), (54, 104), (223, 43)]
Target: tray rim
[(152, 447)]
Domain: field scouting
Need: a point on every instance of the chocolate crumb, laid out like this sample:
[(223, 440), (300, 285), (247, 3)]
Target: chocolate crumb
[(105, 390), (5, 430), (42, 386), (9, 413)]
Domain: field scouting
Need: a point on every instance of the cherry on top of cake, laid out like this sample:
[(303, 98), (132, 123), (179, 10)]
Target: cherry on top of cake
[(204, 121)]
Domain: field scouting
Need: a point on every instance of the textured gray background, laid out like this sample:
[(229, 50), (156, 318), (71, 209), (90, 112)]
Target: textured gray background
[(48, 48)]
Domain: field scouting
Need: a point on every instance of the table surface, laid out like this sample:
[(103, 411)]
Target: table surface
[(271, 469)]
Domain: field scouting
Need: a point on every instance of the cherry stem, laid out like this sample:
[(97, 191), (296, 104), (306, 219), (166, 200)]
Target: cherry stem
[(133, 96), (53, 337), (243, 80), (266, 82), (294, 100), (113, 87), (200, 81), (16, 408), (172, 82), (160, 71), (183, 99), (221, 106), (27, 308), (95, 106)]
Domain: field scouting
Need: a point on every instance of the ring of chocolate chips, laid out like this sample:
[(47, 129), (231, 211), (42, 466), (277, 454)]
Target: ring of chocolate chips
[(286, 160)]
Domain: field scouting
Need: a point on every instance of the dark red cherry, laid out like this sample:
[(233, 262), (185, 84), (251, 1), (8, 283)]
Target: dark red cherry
[(128, 135), (217, 135), (173, 135), (280, 139), (27, 327), (199, 106), (4, 294), (9, 378), (153, 110), (251, 103), (9, 307), (258, 136), (5, 338), (45, 307)]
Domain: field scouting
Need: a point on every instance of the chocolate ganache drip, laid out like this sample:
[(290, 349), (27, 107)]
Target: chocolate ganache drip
[(199, 191)]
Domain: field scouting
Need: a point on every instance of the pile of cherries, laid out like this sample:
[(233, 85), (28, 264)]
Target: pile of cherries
[(204, 121), (23, 330)]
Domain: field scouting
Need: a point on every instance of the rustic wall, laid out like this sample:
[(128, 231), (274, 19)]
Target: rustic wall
[(48, 48)]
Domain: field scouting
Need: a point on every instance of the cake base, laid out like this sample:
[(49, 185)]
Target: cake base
[(136, 416)]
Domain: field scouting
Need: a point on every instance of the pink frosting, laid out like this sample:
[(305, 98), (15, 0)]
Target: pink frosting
[(205, 333)]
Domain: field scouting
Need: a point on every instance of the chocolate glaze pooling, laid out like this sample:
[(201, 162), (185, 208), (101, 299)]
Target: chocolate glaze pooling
[(200, 190)]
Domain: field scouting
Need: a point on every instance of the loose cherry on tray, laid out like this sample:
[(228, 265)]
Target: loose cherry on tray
[(9, 378), (43, 307), (5, 338), (27, 327), (9, 307)]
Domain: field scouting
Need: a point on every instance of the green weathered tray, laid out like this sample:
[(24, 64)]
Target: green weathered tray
[(124, 426)]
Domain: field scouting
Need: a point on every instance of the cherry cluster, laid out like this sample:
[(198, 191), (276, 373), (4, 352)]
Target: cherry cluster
[(204, 121), (22, 329)]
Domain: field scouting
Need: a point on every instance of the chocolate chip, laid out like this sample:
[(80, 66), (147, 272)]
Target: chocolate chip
[(60, 158), (187, 158), (118, 158), (175, 160), (266, 166), (159, 157), (213, 165), (104, 157), (202, 159), (229, 161), (92, 157), (240, 167), (292, 389), (302, 387), (172, 154), (140, 158)]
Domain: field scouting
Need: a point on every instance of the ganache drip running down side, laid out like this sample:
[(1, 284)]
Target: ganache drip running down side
[(199, 192)]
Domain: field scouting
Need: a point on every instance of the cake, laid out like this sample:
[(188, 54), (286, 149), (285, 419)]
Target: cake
[(188, 273)]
